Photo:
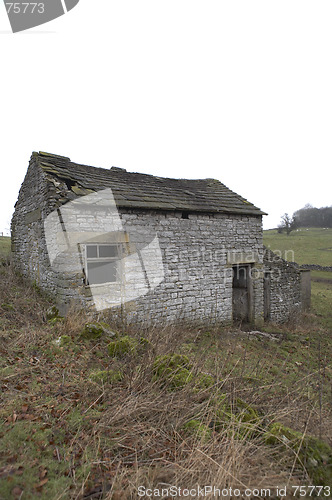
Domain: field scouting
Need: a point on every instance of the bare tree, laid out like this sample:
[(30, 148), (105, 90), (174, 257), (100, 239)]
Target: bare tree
[(287, 224)]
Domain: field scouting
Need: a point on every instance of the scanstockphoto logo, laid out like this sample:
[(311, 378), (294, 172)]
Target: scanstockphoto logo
[(26, 15), (87, 237)]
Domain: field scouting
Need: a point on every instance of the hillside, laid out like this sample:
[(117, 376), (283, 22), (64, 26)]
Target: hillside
[(306, 245), (96, 412), (309, 246)]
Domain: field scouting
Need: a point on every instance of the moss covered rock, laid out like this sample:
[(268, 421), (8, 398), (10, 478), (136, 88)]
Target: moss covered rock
[(238, 409), (238, 418), (171, 362), (196, 427), (55, 321), (106, 376), (52, 313), (94, 331), (126, 345), (203, 381), (7, 307), (63, 341), (221, 409), (277, 433), (312, 452), (175, 369), (52, 316), (245, 412)]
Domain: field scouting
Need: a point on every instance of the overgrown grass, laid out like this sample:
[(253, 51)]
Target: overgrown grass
[(70, 429), (309, 245)]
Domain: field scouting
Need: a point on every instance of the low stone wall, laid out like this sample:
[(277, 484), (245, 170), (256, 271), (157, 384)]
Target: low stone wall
[(316, 267)]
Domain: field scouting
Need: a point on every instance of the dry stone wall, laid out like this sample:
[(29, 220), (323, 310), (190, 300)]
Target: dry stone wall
[(197, 257), (284, 287)]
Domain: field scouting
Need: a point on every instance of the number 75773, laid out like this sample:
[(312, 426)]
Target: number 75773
[(25, 7)]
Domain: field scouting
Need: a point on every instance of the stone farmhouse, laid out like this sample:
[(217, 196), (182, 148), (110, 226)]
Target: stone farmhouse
[(153, 250)]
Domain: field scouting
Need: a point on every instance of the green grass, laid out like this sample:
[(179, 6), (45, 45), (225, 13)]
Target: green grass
[(321, 275), (309, 246), (4, 246), (27, 446), (321, 302), (304, 246)]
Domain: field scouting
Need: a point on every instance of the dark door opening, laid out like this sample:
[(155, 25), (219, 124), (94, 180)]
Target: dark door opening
[(241, 293), (267, 296)]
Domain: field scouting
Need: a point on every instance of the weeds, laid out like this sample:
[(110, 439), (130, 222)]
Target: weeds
[(180, 407)]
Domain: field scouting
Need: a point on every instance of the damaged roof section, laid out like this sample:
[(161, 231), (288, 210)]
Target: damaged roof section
[(143, 191)]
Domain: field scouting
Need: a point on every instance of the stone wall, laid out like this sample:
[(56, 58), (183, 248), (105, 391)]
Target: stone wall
[(28, 251), (197, 254), (283, 295), (38, 197), (316, 267)]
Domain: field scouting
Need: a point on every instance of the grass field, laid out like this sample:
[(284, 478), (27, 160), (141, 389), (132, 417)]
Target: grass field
[(4, 246), (309, 246), (85, 416)]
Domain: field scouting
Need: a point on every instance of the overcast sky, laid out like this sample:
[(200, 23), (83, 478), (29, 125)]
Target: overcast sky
[(240, 91)]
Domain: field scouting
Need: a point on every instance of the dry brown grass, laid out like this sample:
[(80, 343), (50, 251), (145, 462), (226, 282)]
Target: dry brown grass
[(103, 440)]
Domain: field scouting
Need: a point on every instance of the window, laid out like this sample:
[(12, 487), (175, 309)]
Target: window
[(102, 262)]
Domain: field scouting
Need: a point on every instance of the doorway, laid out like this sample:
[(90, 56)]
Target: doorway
[(242, 293), (267, 296)]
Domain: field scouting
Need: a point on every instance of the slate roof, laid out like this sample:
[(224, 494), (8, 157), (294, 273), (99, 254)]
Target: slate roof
[(135, 190)]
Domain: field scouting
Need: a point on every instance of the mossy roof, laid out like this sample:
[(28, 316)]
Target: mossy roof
[(143, 191)]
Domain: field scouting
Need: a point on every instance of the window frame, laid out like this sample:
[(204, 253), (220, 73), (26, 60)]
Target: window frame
[(99, 259)]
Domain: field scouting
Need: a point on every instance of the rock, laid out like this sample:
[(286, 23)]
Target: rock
[(245, 412), (54, 321), (51, 313), (174, 369), (62, 341), (239, 418), (106, 376), (125, 345), (7, 307), (94, 331), (278, 433), (312, 452), (199, 429), (203, 381)]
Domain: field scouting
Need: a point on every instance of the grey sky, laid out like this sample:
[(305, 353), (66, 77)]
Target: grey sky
[(239, 91)]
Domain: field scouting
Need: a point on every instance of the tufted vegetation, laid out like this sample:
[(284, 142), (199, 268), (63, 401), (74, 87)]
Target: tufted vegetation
[(88, 410)]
